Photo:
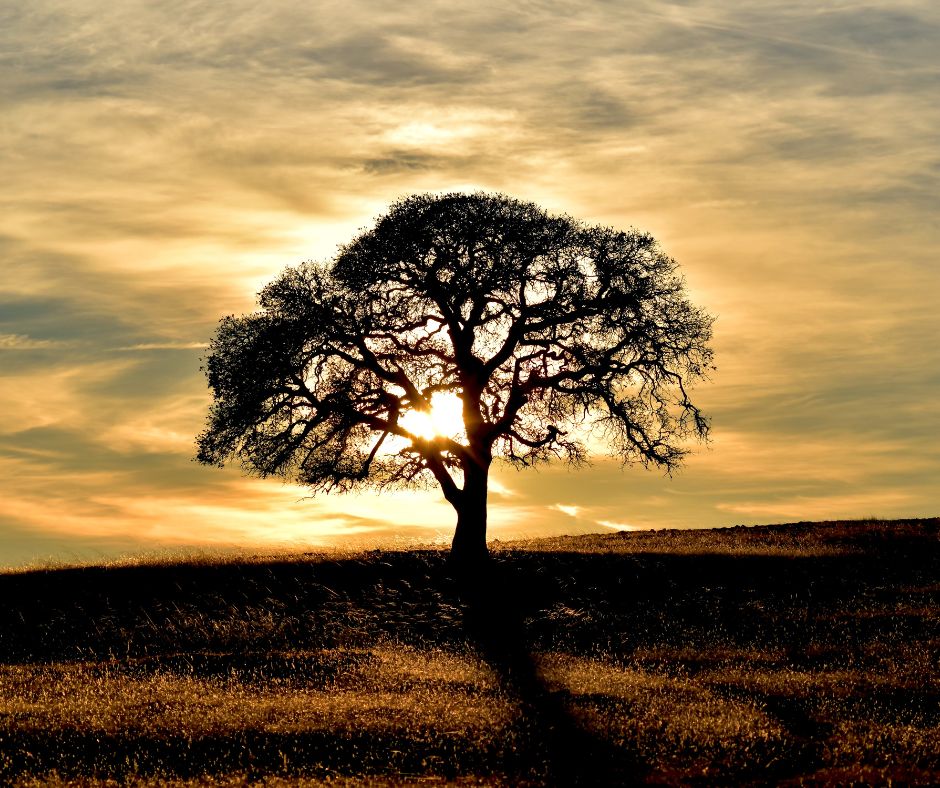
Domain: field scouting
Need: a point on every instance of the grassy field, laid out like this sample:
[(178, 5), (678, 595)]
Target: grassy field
[(804, 654)]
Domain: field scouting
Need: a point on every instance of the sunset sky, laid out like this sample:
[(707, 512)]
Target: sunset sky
[(160, 162)]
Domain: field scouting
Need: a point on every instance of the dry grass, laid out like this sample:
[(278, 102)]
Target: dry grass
[(694, 666), (803, 539), (376, 690)]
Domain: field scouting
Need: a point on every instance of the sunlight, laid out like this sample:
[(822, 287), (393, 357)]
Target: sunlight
[(444, 418), (618, 526)]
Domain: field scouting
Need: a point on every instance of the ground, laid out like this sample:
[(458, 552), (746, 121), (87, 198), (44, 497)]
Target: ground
[(804, 654)]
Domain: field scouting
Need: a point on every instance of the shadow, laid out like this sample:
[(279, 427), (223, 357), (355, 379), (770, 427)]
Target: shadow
[(558, 749)]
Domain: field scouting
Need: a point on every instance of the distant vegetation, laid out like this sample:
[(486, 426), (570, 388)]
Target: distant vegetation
[(805, 653)]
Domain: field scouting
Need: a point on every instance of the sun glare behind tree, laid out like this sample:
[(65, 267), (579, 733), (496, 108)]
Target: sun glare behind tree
[(445, 418)]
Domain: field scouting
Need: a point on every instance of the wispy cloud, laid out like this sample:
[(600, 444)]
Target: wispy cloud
[(166, 346), (23, 342), (161, 162), (617, 526)]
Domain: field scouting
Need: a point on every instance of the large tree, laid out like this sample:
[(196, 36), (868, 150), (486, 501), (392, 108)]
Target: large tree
[(548, 331)]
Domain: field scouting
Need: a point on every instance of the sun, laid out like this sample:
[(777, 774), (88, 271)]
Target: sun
[(445, 418)]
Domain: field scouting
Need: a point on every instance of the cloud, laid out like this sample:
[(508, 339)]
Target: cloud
[(161, 162), (53, 396), (398, 161), (373, 58), (166, 346), (618, 526), (23, 342), (857, 506)]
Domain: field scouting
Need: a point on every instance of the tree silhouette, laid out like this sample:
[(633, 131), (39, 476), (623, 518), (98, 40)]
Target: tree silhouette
[(547, 329)]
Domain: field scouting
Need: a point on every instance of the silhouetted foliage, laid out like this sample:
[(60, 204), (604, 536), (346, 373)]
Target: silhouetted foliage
[(547, 329)]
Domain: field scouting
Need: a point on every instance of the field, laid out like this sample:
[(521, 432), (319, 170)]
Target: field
[(802, 654)]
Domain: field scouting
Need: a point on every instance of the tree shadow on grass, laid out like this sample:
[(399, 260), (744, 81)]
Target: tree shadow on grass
[(557, 747)]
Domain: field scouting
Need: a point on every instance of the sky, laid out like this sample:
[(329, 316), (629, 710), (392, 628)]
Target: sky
[(160, 162)]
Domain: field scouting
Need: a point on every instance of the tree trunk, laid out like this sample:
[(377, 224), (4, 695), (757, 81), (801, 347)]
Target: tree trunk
[(469, 545)]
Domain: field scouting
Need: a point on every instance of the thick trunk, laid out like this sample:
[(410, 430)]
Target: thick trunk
[(469, 545)]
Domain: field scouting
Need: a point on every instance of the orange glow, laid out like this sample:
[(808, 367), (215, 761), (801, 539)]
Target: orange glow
[(445, 418)]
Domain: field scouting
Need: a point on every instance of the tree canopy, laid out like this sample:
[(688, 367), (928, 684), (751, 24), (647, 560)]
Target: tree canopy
[(547, 330)]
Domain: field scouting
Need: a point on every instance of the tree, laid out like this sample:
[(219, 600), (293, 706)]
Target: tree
[(547, 330)]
